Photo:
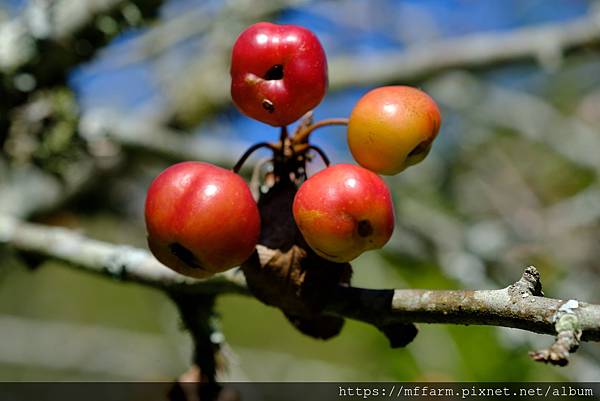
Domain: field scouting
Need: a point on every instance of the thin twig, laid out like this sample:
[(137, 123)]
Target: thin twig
[(321, 154), (240, 163), (303, 134), (568, 337)]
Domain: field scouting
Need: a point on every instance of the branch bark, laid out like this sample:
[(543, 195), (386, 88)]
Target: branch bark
[(520, 305), (512, 306), (121, 262)]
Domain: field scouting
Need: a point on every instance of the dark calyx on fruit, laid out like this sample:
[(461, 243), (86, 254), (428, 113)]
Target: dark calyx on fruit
[(365, 228), (185, 255), (420, 148), (274, 73)]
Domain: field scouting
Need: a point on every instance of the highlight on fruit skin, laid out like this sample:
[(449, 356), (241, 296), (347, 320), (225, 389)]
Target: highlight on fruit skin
[(343, 211), (393, 127), (201, 219), (278, 72)]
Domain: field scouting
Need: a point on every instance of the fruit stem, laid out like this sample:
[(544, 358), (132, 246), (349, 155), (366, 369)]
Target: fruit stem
[(284, 135), (303, 133), (284, 156), (249, 151), (321, 153)]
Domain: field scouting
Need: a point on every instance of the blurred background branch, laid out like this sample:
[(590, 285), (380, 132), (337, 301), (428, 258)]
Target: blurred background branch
[(546, 45)]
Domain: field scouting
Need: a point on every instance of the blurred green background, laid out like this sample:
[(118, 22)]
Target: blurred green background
[(512, 180)]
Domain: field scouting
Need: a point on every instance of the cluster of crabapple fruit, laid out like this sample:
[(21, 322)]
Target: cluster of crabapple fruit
[(202, 219)]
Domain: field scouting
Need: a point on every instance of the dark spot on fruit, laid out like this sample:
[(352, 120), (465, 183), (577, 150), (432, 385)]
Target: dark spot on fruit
[(268, 105), (420, 148), (365, 228), (326, 253), (185, 255), (274, 73)]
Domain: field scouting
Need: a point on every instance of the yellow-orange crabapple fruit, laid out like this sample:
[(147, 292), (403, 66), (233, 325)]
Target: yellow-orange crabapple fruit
[(392, 127)]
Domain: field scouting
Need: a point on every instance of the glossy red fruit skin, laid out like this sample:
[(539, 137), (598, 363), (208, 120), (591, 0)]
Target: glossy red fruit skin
[(208, 211), (343, 211), (303, 73)]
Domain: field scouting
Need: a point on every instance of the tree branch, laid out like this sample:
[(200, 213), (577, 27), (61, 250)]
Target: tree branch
[(545, 44), (568, 327), (515, 306), (198, 316), (170, 144), (22, 186), (47, 26), (121, 262), (40, 46), (520, 305)]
